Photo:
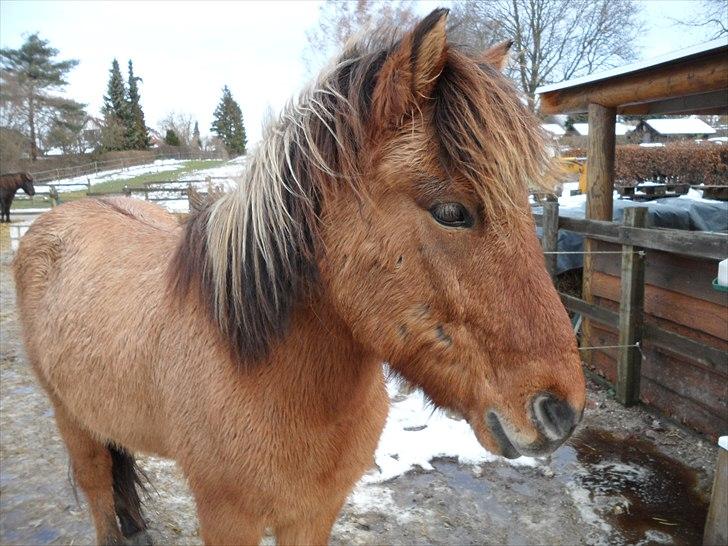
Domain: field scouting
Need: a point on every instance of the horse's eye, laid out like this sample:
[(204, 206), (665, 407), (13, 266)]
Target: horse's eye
[(452, 215)]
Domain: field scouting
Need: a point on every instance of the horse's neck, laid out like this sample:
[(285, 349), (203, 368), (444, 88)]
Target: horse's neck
[(320, 366)]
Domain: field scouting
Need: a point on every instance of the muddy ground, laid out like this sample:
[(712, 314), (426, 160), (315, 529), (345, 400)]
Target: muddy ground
[(627, 477)]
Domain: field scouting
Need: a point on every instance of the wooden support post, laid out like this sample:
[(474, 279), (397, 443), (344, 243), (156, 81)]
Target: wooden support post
[(599, 188), (631, 306), (549, 239), (716, 524)]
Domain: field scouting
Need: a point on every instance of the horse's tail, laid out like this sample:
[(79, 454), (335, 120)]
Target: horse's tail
[(128, 480)]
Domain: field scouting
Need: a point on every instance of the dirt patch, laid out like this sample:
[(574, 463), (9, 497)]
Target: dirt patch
[(628, 476)]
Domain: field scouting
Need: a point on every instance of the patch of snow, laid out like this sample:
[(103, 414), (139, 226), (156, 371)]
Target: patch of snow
[(554, 128), (723, 442), (415, 434), (620, 129), (584, 503), (652, 144), (680, 126), (696, 195), (78, 182)]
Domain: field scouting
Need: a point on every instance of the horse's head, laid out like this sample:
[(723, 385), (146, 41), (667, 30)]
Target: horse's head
[(27, 184), (395, 191), (436, 267)]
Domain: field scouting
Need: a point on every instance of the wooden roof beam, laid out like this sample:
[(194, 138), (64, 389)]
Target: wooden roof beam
[(706, 74), (715, 101)]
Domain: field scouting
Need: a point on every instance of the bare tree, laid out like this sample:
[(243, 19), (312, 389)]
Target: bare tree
[(553, 40), (712, 16), (182, 124), (339, 21)]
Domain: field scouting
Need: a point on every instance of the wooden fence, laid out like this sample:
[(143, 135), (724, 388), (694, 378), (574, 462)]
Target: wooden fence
[(635, 239), (94, 167)]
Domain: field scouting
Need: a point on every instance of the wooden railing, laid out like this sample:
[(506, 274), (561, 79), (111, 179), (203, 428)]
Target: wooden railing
[(633, 331)]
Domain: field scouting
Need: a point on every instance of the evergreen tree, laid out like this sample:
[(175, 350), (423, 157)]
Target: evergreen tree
[(171, 138), (228, 124), (116, 108), (196, 140), (28, 75), (138, 136)]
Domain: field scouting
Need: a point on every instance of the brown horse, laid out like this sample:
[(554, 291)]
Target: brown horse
[(9, 185), (384, 217)]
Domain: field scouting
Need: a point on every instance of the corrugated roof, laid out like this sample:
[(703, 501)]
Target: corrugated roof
[(680, 126)]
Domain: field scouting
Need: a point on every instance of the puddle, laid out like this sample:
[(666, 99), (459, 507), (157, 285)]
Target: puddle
[(645, 495)]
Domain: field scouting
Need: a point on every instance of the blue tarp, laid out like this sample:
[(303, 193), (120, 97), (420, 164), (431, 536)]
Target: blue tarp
[(669, 212)]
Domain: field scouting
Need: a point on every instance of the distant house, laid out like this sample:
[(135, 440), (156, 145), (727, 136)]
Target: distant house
[(582, 129), (91, 132), (155, 139), (661, 130)]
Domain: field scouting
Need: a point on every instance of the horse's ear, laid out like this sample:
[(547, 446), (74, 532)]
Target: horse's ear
[(497, 55), (410, 72)]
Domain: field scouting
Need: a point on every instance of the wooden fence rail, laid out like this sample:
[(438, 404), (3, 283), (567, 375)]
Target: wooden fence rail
[(699, 244), (629, 322)]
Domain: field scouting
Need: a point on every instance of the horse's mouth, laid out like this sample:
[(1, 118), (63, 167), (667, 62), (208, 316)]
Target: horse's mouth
[(508, 450)]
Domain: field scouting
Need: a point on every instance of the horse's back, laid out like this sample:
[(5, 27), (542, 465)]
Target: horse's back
[(90, 278)]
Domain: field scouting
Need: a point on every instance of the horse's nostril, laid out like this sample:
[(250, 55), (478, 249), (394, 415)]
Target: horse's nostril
[(554, 416)]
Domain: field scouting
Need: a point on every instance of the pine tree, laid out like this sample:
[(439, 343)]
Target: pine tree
[(138, 136), (228, 124), (116, 108), (28, 74), (196, 140), (171, 138)]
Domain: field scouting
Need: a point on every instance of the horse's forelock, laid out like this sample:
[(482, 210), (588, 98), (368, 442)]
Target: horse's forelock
[(487, 135)]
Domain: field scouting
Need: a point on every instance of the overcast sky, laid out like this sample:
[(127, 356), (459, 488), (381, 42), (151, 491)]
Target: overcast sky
[(186, 51)]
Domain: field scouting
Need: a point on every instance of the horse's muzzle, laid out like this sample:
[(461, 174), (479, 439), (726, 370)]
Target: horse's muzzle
[(554, 419)]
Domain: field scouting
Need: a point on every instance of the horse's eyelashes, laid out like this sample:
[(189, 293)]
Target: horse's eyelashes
[(452, 215)]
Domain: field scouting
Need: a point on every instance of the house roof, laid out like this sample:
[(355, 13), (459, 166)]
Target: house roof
[(554, 128), (680, 126), (620, 129)]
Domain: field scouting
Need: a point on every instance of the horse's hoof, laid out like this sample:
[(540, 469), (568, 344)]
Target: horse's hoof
[(141, 538)]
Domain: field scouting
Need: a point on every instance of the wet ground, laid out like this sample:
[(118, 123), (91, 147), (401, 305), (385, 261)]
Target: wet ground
[(627, 477)]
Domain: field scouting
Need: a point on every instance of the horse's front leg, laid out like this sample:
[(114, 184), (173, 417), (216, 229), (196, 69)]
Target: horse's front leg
[(224, 519), (312, 529)]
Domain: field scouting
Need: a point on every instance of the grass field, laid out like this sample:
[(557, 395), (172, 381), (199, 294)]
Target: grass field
[(118, 185)]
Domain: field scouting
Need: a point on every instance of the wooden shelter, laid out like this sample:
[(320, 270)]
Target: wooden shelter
[(692, 81)]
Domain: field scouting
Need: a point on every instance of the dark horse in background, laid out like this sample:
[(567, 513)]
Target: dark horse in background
[(9, 184)]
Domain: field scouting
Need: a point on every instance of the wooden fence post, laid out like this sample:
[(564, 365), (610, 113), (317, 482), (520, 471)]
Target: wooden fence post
[(599, 188), (631, 305), (550, 237)]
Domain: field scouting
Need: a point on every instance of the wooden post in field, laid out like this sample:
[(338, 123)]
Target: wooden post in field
[(549, 239), (631, 306), (599, 188)]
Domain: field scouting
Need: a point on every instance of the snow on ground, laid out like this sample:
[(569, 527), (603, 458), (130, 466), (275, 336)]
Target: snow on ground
[(416, 433), (81, 182)]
